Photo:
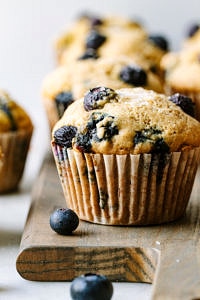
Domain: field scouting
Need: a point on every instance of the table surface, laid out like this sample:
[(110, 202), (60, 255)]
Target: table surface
[(14, 208)]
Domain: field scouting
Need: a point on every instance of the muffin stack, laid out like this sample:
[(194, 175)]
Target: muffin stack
[(126, 154), (111, 51)]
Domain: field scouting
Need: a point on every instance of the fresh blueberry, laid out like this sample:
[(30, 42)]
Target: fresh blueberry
[(133, 75), (64, 221), (184, 102), (98, 97), (64, 135), (89, 54), (63, 100), (91, 287), (95, 39), (160, 41), (192, 30)]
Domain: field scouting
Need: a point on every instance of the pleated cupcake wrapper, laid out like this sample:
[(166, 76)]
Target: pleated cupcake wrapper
[(51, 112), (15, 147), (194, 96), (127, 189)]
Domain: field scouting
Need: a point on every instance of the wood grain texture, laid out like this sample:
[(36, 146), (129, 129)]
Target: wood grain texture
[(166, 255)]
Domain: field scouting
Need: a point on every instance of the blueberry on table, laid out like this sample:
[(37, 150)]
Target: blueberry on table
[(159, 41), (91, 287), (184, 102), (64, 221), (94, 40), (133, 75)]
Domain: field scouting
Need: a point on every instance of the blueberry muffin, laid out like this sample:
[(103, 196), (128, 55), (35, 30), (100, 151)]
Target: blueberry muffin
[(77, 34), (15, 135), (93, 37), (68, 83), (126, 156), (182, 71)]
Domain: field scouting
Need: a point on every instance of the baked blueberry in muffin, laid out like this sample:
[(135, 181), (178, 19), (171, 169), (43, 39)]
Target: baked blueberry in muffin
[(97, 97)]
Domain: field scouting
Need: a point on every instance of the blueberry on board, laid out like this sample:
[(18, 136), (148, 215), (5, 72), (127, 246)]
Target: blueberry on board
[(192, 30), (94, 40), (64, 135), (63, 100), (159, 41), (97, 97), (91, 287), (64, 221), (184, 102), (133, 75), (89, 54)]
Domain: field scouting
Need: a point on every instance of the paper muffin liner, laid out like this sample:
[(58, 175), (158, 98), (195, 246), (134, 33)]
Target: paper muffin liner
[(14, 147), (51, 112), (127, 189), (195, 96)]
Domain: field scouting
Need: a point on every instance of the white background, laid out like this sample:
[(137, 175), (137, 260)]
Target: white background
[(27, 31)]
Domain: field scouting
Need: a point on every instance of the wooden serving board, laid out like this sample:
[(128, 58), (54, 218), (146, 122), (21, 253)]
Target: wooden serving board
[(166, 255)]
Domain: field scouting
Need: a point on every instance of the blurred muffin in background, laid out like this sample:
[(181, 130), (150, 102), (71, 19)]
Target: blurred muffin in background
[(182, 69), (68, 83), (15, 135), (93, 37)]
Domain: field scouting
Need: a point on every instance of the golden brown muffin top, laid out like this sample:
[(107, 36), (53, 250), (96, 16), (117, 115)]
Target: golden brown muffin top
[(12, 116), (109, 36), (120, 72), (79, 28), (129, 120), (182, 69)]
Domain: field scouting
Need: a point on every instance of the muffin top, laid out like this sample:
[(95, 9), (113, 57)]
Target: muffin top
[(12, 116), (75, 36), (83, 75), (128, 120), (182, 69), (94, 37)]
